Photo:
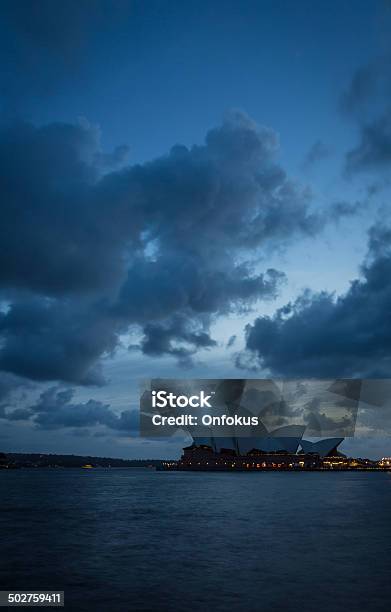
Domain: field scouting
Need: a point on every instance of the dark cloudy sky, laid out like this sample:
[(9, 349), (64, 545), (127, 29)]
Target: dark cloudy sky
[(187, 189)]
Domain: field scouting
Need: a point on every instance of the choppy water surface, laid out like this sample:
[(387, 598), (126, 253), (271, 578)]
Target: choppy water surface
[(144, 540)]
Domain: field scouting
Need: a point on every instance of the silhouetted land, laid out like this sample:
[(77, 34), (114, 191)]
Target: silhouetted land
[(74, 461)]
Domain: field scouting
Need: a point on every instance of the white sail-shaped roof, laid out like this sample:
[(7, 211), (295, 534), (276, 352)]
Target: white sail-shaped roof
[(322, 447), (289, 437)]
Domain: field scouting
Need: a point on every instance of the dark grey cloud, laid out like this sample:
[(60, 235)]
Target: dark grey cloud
[(19, 414), (373, 152), (49, 339), (367, 102), (53, 234), (179, 336), (56, 409), (321, 335), (7, 384), (12, 387), (167, 246)]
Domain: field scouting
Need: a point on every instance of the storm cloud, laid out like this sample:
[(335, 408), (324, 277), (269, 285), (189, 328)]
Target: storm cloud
[(56, 409), (166, 247), (320, 335)]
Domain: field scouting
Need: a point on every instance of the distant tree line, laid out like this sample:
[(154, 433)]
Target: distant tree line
[(75, 461)]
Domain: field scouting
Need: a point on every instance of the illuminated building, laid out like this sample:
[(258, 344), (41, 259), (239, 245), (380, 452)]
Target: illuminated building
[(280, 449)]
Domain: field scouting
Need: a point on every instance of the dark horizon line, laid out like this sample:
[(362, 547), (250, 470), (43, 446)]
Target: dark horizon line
[(11, 454)]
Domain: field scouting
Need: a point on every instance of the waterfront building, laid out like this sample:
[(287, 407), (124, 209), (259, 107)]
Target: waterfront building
[(283, 448)]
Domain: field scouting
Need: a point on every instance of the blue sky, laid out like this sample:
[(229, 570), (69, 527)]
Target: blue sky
[(168, 72), (283, 108)]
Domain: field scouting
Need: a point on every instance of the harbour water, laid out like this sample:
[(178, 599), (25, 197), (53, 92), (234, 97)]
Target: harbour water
[(139, 540)]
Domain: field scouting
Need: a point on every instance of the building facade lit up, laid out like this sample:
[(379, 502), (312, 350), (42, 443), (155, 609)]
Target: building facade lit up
[(282, 449)]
